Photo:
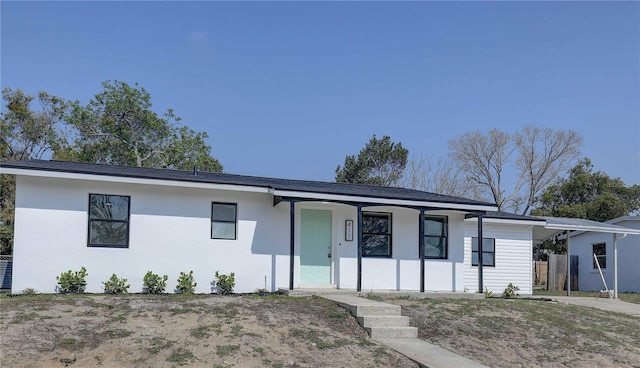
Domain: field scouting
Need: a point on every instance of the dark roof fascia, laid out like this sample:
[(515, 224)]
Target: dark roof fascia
[(500, 215), (306, 186)]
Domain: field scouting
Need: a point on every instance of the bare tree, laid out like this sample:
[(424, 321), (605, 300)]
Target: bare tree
[(437, 176), (544, 153), (541, 155), (482, 159)]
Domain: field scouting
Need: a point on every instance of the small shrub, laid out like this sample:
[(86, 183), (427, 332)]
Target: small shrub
[(186, 284), (511, 291), (225, 283), (116, 285), (154, 284), (488, 293), (72, 282), (29, 291)]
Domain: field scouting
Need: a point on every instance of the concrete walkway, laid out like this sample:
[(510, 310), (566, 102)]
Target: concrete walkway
[(611, 305), (422, 352)]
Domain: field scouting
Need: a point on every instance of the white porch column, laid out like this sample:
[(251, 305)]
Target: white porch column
[(568, 263), (615, 266)]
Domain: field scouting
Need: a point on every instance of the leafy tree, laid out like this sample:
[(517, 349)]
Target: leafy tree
[(538, 155), (590, 195), (119, 128), (27, 134), (381, 162)]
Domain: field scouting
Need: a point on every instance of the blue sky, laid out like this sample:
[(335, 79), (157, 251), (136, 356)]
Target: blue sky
[(287, 89)]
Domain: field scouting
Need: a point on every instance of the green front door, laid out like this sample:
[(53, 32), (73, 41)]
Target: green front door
[(315, 247)]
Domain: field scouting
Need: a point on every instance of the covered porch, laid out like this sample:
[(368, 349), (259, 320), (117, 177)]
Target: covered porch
[(350, 253)]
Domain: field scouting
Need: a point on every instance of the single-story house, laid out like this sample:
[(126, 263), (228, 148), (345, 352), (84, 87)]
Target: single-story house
[(272, 233), (586, 244)]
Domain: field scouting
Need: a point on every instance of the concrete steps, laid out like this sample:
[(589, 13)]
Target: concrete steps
[(380, 320)]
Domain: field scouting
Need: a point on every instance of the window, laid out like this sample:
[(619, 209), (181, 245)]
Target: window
[(600, 250), (435, 237), (488, 252), (376, 234), (223, 220), (108, 221)]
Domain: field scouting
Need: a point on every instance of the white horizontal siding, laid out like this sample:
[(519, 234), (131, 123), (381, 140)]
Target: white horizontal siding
[(513, 247)]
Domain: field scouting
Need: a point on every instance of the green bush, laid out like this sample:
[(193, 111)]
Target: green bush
[(186, 284), (225, 283), (72, 282), (511, 291), (154, 284), (116, 285)]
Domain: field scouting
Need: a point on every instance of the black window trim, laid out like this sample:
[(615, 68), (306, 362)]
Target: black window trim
[(235, 221), (446, 237), (390, 235), (90, 220), (484, 264), (603, 265)]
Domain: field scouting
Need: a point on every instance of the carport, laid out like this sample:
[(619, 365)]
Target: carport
[(556, 225)]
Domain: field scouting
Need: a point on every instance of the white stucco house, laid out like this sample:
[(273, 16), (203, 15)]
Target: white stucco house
[(272, 233), (585, 244)]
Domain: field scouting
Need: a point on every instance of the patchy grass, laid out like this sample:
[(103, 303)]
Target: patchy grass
[(517, 332), (625, 297)]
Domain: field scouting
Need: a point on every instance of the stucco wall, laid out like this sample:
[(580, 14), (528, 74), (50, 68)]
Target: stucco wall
[(169, 233)]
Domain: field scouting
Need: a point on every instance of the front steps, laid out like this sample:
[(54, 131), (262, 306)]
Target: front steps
[(380, 320)]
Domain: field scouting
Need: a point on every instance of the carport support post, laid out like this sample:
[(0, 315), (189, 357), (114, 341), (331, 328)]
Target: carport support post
[(615, 266), (359, 286), (568, 263), (421, 249), (480, 249), (292, 216)]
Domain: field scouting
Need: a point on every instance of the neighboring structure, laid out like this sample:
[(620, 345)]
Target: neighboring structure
[(585, 244), (129, 221)]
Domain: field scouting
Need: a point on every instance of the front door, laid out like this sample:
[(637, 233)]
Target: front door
[(315, 247)]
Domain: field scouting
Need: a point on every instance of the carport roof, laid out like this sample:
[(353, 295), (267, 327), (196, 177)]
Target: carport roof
[(556, 225)]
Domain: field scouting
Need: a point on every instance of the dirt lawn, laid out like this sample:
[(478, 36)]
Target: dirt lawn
[(277, 331), (172, 331), (526, 333)]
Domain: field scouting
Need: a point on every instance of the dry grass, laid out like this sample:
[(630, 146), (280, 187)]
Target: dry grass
[(527, 333)]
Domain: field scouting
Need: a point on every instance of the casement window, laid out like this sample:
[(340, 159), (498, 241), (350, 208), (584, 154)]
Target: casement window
[(435, 237), (108, 221), (600, 250), (224, 220), (488, 252), (376, 234)]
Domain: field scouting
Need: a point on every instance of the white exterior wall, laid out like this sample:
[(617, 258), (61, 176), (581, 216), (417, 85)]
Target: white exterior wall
[(169, 233), (513, 247), (628, 260)]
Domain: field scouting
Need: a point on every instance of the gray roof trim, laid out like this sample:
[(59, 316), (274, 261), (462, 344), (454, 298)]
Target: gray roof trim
[(292, 185)]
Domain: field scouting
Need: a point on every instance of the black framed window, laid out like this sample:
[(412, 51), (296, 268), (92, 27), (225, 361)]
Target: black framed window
[(224, 219), (108, 221), (600, 250), (488, 252), (436, 241), (376, 234)]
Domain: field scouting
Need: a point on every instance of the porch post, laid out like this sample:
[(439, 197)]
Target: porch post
[(480, 249), (615, 266), (359, 286), (421, 249), (568, 263), (292, 212)]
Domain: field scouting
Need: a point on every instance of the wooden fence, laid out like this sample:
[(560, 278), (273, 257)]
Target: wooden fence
[(539, 273), (557, 272)]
